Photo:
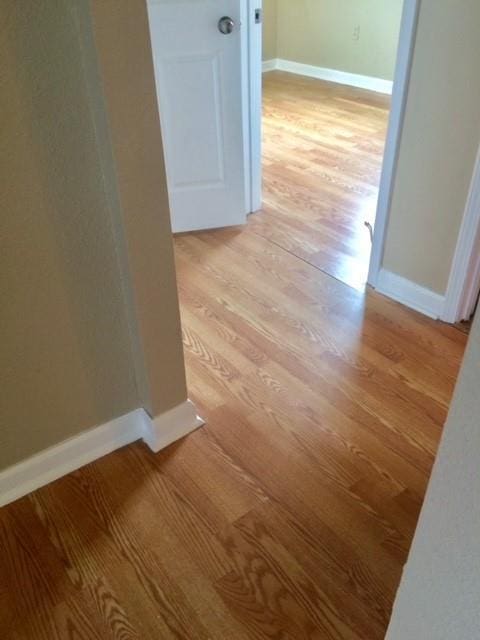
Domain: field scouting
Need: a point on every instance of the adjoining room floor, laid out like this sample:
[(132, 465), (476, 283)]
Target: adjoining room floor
[(290, 514), (322, 156)]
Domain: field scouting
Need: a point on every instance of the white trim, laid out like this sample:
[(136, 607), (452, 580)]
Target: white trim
[(269, 65), (464, 280), (254, 169), (247, 102), (401, 81), (71, 454), (172, 425), (410, 294), (331, 75)]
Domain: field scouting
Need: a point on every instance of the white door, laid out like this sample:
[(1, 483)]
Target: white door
[(198, 73)]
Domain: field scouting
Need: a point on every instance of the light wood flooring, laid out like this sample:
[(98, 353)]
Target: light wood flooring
[(290, 514), (322, 156)]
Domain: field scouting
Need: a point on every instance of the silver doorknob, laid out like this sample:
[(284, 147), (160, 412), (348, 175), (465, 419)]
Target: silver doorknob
[(226, 25)]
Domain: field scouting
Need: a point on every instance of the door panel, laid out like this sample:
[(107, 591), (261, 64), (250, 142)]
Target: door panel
[(197, 158), (198, 73)]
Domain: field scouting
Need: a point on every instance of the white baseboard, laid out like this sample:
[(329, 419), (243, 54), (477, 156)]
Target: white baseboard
[(171, 426), (269, 65), (67, 456), (410, 294), (332, 75)]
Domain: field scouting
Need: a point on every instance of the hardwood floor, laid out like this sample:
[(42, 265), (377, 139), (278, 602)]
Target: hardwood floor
[(290, 514), (323, 149)]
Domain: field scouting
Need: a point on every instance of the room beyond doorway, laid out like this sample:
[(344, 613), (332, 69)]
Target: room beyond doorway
[(332, 120), (322, 157)]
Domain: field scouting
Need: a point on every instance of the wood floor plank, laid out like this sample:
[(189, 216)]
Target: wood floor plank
[(335, 566), (268, 580), (290, 478), (290, 514)]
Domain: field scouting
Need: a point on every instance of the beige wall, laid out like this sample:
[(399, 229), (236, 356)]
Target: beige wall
[(439, 142), (75, 331), (439, 596), (269, 48), (321, 33), (125, 59)]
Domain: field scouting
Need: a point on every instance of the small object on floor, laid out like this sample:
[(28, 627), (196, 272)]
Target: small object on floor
[(370, 228)]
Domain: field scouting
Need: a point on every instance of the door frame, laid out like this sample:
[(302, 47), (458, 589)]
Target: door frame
[(406, 44), (464, 280), (252, 91)]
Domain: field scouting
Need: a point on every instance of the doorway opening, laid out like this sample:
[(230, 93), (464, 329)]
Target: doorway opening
[(326, 106), (210, 109)]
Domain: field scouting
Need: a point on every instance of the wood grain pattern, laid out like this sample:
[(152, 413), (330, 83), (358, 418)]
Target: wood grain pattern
[(323, 149), (289, 516)]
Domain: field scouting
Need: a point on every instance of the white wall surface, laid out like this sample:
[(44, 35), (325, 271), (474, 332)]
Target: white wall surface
[(439, 596)]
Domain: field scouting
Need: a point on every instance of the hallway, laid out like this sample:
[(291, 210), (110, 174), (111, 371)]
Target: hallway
[(290, 514)]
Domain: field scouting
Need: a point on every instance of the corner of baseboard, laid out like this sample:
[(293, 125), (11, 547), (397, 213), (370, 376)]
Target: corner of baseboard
[(170, 426), (410, 294), (269, 65)]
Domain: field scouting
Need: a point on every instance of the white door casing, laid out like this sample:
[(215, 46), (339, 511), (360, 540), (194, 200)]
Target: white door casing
[(200, 76), (406, 45)]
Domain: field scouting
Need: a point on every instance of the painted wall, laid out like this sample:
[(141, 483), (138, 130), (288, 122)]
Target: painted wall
[(269, 48), (73, 322), (440, 138), (439, 596), (322, 33), (124, 54)]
